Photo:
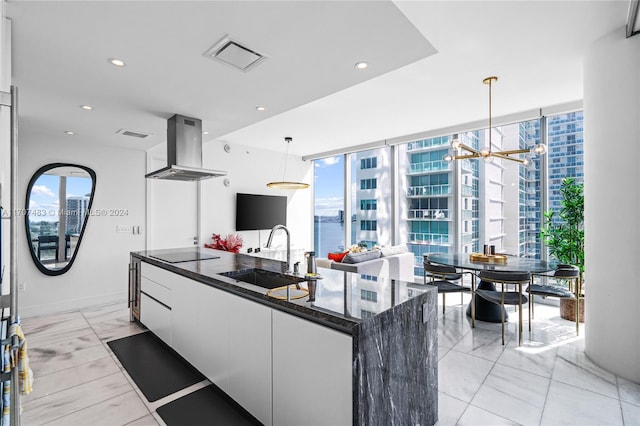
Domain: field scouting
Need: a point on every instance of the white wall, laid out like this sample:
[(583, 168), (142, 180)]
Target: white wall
[(172, 206), (5, 144), (99, 274), (612, 203), (249, 171)]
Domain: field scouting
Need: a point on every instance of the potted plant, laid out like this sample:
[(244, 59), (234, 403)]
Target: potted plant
[(563, 234)]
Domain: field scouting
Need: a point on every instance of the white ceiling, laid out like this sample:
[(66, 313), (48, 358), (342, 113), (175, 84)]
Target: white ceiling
[(308, 84)]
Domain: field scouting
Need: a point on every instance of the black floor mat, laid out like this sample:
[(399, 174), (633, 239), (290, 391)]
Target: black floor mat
[(207, 406), (156, 368)]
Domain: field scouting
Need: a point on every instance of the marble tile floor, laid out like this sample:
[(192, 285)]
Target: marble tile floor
[(547, 381)]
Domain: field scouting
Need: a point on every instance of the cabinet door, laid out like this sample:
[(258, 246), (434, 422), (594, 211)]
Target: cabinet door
[(250, 357), (212, 358), (311, 364), (184, 317), (156, 317)]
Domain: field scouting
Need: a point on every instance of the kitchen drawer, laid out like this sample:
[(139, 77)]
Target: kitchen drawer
[(159, 292), (156, 317), (158, 275)]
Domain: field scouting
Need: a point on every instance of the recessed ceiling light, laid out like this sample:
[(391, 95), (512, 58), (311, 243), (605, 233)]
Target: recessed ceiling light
[(361, 65), (87, 107), (205, 132), (117, 62), (260, 108), (69, 132)]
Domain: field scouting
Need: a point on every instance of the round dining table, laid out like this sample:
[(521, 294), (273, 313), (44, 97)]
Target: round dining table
[(485, 310)]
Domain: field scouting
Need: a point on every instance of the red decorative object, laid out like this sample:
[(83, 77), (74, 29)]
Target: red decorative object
[(232, 243), (337, 257)]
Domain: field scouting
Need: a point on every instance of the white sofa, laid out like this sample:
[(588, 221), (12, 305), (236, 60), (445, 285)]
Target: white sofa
[(397, 266)]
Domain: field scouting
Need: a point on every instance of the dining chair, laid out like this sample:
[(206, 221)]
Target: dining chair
[(47, 243), (504, 296), (442, 277), (548, 287)]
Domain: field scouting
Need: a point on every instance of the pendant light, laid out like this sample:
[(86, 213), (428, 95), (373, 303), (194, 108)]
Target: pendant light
[(284, 184), (487, 153)]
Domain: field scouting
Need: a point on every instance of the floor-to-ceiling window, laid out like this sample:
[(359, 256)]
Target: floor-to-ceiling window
[(566, 152), (426, 196), (459, 206), (329, 205), (371, 191)]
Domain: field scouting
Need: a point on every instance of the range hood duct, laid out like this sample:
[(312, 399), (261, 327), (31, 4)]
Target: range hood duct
[(184, 152)]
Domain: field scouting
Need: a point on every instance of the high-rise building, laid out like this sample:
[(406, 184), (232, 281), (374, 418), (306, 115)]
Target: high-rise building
[(530, 193), (566, 152), (428, 205), (76, 211)]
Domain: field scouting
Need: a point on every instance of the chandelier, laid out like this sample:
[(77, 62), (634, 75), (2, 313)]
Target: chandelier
[(462, 151)]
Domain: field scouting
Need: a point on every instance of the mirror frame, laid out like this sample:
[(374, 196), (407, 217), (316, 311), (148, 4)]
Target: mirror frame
[(32, 181)]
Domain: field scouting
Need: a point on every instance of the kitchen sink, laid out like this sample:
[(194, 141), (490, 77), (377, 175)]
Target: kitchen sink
[(262, 278)]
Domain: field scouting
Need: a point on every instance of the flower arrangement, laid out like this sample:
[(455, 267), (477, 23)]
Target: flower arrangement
[(357, 248), (233, 242)]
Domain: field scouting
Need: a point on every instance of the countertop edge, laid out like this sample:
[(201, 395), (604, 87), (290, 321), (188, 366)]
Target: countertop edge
[(317, 315)]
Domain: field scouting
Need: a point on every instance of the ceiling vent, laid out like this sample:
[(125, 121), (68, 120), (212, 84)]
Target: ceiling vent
[(133, 134), (233, 53)]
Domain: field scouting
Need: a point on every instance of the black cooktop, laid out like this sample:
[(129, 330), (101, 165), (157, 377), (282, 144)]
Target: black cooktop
[(184, 256)]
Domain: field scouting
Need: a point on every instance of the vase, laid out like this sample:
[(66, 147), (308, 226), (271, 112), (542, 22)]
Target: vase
[(568, 309)]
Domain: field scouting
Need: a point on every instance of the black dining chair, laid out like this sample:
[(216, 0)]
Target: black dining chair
[(549, 286), (503, 296), (443, 277), (48, 243)]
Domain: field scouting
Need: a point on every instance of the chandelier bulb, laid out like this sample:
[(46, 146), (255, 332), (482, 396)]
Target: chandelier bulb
[(539, 149), (448, 158), (455, 143), (485, 152)]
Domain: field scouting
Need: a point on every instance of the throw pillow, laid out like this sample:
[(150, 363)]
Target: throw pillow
[(390, 251), (361, 257), (337, 257)]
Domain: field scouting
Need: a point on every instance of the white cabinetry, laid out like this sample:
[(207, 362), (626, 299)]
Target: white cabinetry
[(234, 351), (312, 370), (214, 313), (184, 318), (282, 369), (250, 357), (155, 302), (156, 317)]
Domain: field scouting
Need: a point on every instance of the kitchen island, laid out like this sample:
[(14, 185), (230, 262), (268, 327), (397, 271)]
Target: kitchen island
[(362, 351)]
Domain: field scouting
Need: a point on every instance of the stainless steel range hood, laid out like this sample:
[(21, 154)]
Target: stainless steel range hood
[(184, 152)]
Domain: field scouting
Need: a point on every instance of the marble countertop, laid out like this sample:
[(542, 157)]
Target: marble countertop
[(342, 299)]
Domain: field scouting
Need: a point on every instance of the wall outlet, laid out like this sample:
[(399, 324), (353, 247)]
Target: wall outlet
[(124, 228), (22, 286)]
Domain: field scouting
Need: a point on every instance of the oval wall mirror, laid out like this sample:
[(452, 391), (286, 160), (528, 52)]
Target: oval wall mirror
[(58, 206)]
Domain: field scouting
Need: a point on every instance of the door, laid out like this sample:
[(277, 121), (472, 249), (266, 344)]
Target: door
[(172, 207)]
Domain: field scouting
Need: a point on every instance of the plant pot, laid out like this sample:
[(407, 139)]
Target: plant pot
[(568, 309)]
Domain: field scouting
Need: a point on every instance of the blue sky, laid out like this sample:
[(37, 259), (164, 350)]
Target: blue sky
[(44, 195), (329, 186)]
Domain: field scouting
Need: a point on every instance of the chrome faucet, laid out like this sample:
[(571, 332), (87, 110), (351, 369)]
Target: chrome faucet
[(273, 231)]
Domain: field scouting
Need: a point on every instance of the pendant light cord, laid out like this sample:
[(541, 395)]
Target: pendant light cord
[(490, 143), (286, 157)]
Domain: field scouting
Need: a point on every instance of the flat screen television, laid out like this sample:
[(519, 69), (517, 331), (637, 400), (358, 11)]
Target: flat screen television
[(257, 212)]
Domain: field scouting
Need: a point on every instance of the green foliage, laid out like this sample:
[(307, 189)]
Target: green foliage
[(564, 234)]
